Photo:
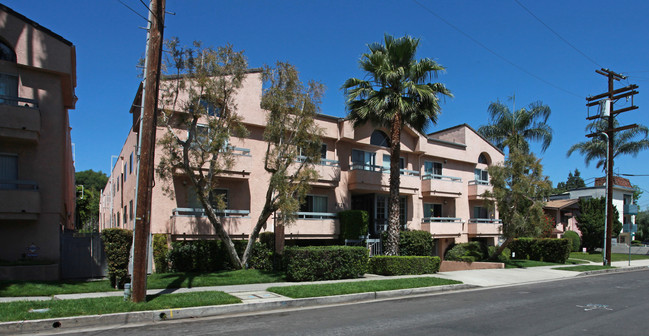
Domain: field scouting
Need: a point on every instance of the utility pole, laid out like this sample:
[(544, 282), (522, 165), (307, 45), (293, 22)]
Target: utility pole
[(606, 102), (146, 150)]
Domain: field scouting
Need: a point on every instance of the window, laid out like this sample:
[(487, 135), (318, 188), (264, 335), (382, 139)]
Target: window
[(125, 175), (217, 195), (130, 164), (483, 159), (480, 212), (8, 170), (117, 184), (130, 209), (323, 151), (209, 108), (379, 138), (9, 89), (314, 203), (432, 210), (125, 215), (118, 218), (363, 160), (386, 163), (482, 176), (433, 168), (7, 53)]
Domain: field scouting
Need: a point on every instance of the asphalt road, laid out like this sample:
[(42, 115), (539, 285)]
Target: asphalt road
[(608, 304)]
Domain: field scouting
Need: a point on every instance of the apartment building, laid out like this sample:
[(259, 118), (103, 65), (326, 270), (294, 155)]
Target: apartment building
[(37, 193), (622, 201), (443, 175)]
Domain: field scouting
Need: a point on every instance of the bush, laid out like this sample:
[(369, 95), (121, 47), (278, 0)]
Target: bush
[(212, 256), (160, 250), (504, 255), (468, 252), (415, 243), (353, 224), (546, 249), (117, 245), (261, 257), (576, 240), (325, 262), (636, 243), (401, 265), (267, 239)]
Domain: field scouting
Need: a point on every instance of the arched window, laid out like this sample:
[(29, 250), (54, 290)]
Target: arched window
[(379, 138), (6, 52), (483, 159)]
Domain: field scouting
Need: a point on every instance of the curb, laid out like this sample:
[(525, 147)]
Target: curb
[(149, 316), (614, 270)]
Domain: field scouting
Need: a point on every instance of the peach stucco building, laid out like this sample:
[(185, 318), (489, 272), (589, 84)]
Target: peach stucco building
[(37, 87), (443, 174)]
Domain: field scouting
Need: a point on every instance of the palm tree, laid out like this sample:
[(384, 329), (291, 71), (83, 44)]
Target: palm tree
[(623, 142), (395, 95), (514, 130)]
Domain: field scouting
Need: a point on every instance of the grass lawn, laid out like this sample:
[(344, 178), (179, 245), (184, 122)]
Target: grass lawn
[(304, 291), (154, 281), (523, 263), (16, 311), (583, 268), (597, 256)]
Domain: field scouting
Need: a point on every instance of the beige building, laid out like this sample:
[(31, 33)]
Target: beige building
[(443, 174), (37, 193)]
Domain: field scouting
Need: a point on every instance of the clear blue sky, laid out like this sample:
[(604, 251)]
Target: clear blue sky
[(324, 39)]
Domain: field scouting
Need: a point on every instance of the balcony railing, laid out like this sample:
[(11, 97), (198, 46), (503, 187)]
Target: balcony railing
[(240, 151), (485, 221), (479, 182), (630, 209), (323, 162), (18, 184), (430, 176), (441, 220), (200, 212), (382, 169), (316, 215), (630, 228), (15, 101)]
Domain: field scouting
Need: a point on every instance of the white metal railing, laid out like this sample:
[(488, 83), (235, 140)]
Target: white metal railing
[(323, 162), (441, 220), (18, 184), (10, 100), (316, 215), (364, 166), (478, 182), (240, 151), (485, 221), (431, 176), (200, 212), (374, 246)]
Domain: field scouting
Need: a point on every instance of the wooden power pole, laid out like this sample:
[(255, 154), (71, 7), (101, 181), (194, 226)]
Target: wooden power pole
[(606, 102), (147, 135)]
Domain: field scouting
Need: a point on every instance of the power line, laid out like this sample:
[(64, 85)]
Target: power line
[(557, 34), (495, 53), (133, 10)]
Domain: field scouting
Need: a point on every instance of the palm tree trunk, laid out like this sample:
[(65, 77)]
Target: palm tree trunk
[(392, 244)]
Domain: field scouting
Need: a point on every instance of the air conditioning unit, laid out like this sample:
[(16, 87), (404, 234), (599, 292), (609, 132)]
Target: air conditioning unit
[(605, 108)]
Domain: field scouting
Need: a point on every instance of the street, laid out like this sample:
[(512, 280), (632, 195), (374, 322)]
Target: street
[(608, 304)]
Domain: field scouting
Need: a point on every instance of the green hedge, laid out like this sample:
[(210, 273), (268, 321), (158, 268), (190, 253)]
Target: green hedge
[(401, 265), (160, 250), (545, 249), (117, 245), (576, 240), (353, 224), (212, 256), (469, 252), (416, 243), (315, 263)]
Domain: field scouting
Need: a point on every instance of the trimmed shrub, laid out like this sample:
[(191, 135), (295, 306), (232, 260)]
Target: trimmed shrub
[(468, 252), (268, 239), (574, 237), (546, 249), (416, 243), (353, 224), (401, 265), (117, 244), (160, 250), (315, 263), (261, 257), (212, 256), (504, 255)]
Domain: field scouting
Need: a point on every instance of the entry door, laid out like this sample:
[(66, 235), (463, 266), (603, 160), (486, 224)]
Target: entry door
[(381, 215)]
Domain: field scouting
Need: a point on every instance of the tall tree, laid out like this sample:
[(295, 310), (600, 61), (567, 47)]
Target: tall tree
[(590, 222), (627, 142), (574, 181), (198, 95), (396, 94), (89, 185), (518, 190), (514, 129), (293, 143)]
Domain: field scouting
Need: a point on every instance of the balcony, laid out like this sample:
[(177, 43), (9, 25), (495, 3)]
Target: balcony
[(21, 200), (443, 226), (313, 225), (441, 185), (21, 119), (477, 188), (241, 164), (199, 212), (328, 172), (632, 228), (630, 209), (192, 222), (484, 227), (372, 178)]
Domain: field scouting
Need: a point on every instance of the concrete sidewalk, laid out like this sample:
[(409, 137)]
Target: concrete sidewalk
[(255, 297)]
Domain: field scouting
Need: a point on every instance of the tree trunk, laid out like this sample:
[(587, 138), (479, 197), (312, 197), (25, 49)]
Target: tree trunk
[(225, 238), (501, 248), (263, 218), (392, 244)]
